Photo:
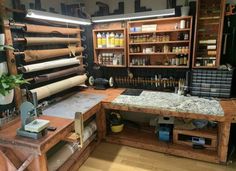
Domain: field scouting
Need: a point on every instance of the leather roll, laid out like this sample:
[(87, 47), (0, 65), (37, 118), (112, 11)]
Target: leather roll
[(47, 29), (37, 55), (47, 77), (50, 40)]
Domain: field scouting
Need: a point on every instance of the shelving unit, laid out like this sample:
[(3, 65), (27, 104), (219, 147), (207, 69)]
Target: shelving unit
[(208, 33), (108, 60), (166, 44)]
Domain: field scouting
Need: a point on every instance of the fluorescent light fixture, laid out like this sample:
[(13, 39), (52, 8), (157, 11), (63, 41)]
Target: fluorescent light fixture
[(56, 17), (133, 16)]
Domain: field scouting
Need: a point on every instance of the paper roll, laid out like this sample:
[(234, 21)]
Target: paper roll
[(50, 40), (3, 68), (63, 73), (51, 89), (47, 29), (63, 154), (34, 55), (50, 65)]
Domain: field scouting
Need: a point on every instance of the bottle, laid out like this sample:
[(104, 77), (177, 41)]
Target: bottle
[(99, 59), (121, 40), (177, 60), (103, 40), (181, 60), (117, 40), (112, 40), (99, 40), (107, 40), (185, 59)]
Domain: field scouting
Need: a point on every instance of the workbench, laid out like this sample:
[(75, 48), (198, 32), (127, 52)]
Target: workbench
[(102, 101)]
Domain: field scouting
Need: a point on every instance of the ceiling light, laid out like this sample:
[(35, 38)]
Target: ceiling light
[(133, 16), (56, 17)]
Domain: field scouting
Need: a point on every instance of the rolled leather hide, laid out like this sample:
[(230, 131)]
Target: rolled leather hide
[(50, 40), (35, 55), (51, 89), (50, 65), (47, 77), (48, 29)]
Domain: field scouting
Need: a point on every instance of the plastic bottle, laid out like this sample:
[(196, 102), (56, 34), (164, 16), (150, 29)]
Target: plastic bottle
[(121, 40), (117, 40), (99, 40), (107, 40), (103, 40), (112, 40)]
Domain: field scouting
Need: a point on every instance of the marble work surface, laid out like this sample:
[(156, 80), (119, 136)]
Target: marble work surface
[(79, 102), (172, 102)]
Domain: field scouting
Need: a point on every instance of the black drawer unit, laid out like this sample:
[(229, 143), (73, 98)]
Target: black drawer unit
[(211, 83)]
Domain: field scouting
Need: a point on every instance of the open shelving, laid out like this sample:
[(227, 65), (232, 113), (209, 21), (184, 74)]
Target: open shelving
[(108, 53), (208, 33), (162, 47)]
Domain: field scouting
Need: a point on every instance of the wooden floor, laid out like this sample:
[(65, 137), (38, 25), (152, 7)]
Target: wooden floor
[(111, 157)]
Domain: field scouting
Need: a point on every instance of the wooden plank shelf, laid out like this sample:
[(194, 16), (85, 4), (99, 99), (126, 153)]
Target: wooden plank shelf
[(109, 30), (161, 53), (168, 42), (157, 66), (114, 66), (114, 48), (148, 140), (159, 31)]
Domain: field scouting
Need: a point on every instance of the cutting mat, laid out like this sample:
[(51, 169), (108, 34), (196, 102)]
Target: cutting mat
[(79, 102)]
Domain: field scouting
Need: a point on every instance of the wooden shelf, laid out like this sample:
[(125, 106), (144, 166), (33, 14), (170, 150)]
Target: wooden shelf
[(157, 66), (168, 42), (161, 53), (148, 140), (114, 48), (114, 66), (165, 26), (109, 30), (205, 25), (159, 31), (122, 50)]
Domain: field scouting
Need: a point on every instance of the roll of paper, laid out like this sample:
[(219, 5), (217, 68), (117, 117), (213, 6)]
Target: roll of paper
[(35, 55), (51, 89), (89, 130), (50, 40), (58, 74), (50, 65), (47, 29)]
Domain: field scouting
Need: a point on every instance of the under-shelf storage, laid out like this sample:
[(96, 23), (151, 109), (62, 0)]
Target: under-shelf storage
[(160, 43)]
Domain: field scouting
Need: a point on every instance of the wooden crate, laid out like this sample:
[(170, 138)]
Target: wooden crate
[(209, 135)]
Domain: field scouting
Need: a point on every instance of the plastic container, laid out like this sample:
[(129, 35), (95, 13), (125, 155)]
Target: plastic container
[(99, 40), (121, 40), (112, 40)]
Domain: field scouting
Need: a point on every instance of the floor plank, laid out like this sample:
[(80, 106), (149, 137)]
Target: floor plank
[(111, 157)]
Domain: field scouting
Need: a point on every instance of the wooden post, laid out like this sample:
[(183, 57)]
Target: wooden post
[(224, 133), (101, 123), (11, 61)]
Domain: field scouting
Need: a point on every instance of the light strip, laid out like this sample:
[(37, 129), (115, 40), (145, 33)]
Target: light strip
[(132, 16), (56, 17)]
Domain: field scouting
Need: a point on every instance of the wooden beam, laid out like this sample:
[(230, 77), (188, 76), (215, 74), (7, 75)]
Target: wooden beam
[(11, 61)]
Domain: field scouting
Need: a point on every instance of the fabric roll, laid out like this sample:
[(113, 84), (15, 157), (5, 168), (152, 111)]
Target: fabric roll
[(47, 77), (51, 89), (35, 55), (63, 154), (50, 40), (47, 29), (50, 65), (89, 130)]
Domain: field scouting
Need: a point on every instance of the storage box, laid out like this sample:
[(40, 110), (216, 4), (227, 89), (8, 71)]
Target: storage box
[(164, 133), (206, 138), (149, 27)]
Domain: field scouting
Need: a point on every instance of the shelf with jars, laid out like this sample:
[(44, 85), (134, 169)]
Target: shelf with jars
[(160, 43), (208, 33), (110, 47)]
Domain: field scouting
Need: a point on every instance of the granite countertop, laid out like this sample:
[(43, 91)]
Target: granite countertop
[(172, 102)]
